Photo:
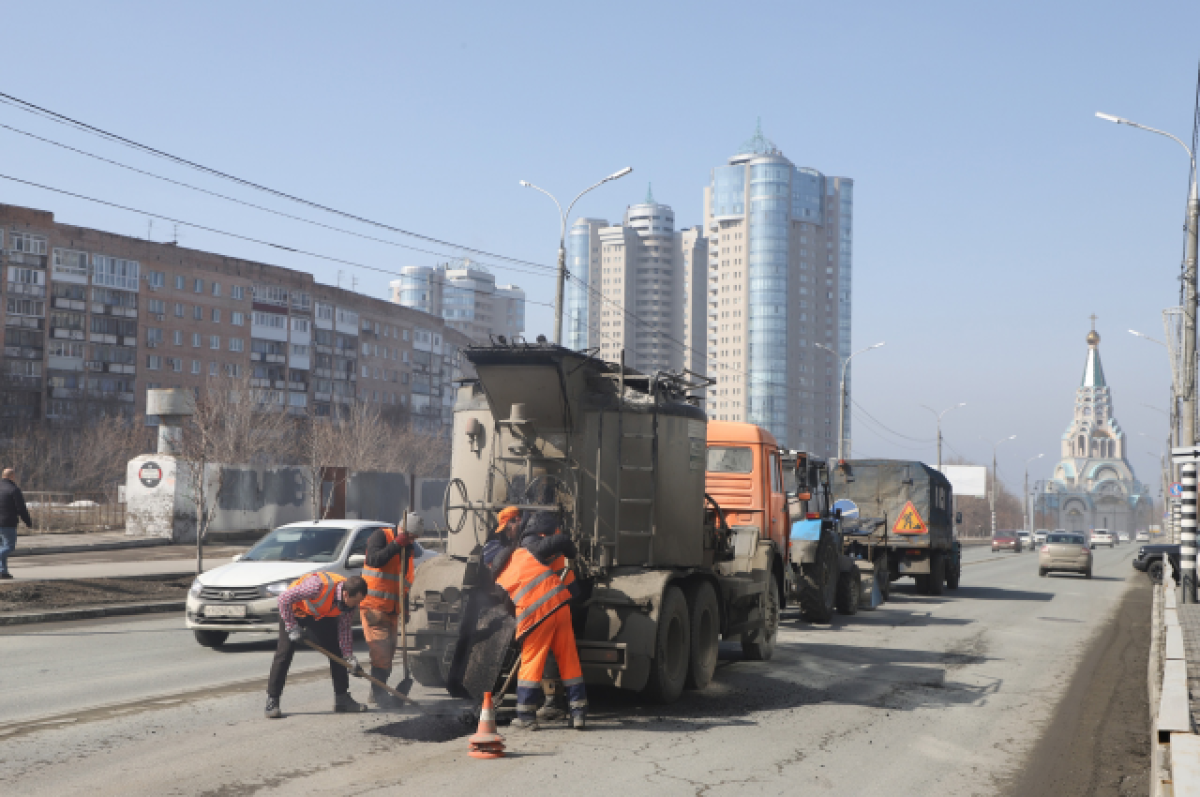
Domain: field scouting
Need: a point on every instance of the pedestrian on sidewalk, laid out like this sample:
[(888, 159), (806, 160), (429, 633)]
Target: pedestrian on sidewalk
[(382, 610), (318, 608), (12, 512)]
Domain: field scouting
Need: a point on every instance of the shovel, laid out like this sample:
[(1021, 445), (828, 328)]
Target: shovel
[(370, 678), (405, 685)]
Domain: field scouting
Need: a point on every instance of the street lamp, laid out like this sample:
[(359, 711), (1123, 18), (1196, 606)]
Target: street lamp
[(1187, 380), (995, 445), (939, 415), (562, 239), (1174, 430), (1028, 503), (842, 415)]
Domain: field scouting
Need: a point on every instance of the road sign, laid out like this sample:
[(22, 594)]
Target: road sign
[(1176, 490), (910, 521), (848, 507), (1185, 454)]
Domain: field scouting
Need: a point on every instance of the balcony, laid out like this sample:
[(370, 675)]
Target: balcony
[(276, 358), (322, 396), (97, 337), (121, 368), (67, 334), (69, 304), (126, 397), (64, 392), (24, 321), (23, 352), (129, 341)]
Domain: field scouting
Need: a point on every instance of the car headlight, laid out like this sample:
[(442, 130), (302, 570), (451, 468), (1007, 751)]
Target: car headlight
[(194, 590), (278, 588)]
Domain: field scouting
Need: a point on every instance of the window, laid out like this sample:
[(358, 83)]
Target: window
[(233, 369), (299, 351), (180, 282), (406, 334), (237, 319), (196, 367), (324, 311), (198, 286), (27, 242), (178, 310), (63, 348), (212, 369), (366, 372), (216, 315), (238, 292), (157, 306), (198, 313), (214, 342), (300, 325), (155, 279), (178, 337), (175, 364), (70, 262), (216, 289), (730, 460), (270, 294), (237, 344), (114, 272), (274, 320), (153, 362), (195, 340), (27, 307)]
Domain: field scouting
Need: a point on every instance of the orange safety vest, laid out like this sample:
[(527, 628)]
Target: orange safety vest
[(383, 584), (325, 604), (534, 588), (559, 564)]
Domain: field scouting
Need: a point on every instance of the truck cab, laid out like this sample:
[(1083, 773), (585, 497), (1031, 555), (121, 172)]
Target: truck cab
[(744, 475)]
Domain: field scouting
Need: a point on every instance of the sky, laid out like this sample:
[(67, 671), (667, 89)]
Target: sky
[(993, 212)]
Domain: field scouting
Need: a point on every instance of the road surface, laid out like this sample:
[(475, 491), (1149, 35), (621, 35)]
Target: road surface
[(926, 695)]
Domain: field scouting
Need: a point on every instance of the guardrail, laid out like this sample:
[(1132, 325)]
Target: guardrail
[(73, 513), (1174, 745)]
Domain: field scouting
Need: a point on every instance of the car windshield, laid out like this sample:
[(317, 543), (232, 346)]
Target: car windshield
[(730, 460), (299, 544), (1004, 535), (1065, 539)]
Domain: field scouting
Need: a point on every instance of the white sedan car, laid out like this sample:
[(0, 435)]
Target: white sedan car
[(244, 594), (1102, 537)]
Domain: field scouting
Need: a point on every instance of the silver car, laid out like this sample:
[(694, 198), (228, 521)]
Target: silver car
[(1068, 552), (244, 594)]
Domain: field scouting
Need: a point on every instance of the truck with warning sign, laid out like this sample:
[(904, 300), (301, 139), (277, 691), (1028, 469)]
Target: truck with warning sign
[(911, 504)]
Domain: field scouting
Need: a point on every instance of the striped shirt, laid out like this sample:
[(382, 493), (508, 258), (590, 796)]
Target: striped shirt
[(307, 589)]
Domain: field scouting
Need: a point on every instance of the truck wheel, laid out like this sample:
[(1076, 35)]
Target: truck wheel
[(669, 667), (954, 574), (937, 575), (759, 645), (706, 624), (1155, 571), (922, 584), (426, 671), (818, 583), (211, 639), (849, 587)]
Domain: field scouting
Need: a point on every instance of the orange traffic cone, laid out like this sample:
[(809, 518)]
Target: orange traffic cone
[(486, 743)]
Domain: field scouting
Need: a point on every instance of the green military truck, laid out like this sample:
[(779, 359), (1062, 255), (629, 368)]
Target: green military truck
[(915, 503)]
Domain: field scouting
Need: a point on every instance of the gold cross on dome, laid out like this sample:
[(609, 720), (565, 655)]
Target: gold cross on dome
[(1093, 317)]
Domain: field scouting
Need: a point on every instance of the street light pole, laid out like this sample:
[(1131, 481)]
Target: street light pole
[(939, 415), (992, 503), (1029, 504), (562, 243), (1188, 378), (842, 414)]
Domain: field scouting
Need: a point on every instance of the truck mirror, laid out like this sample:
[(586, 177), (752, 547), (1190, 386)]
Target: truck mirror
[(958, 518)]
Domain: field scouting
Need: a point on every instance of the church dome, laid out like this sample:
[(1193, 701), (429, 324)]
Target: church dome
[(1093, 338)]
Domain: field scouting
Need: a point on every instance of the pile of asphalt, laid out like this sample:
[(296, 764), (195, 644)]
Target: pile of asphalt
[(34, 596)]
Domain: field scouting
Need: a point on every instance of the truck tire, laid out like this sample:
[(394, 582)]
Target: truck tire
[(849, 589), (706, 626), (669, 667), (759, 645), (818, 583), (426, 671), (937, 574), (1155, 571), (211, 639), (954, 574), (922, 584)]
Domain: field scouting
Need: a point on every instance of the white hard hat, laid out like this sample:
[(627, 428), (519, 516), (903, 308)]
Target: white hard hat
[(413, 523)]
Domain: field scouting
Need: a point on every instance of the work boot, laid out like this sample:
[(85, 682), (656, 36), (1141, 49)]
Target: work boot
[(378, 696), (272, 711), (524, 723), (578, 722), (551, 711), (6, 575), (344, 704)]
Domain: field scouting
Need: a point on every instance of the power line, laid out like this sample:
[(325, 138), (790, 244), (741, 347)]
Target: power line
[(898, 434)]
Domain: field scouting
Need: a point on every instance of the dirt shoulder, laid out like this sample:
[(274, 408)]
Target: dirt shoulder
[(1098, 742), (34, 596)]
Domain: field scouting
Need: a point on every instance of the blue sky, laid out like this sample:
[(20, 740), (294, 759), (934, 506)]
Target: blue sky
[(994, 213)]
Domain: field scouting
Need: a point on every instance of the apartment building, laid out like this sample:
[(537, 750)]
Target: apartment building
[(466, 296), (779, 295), (635, 283), (92, 319)]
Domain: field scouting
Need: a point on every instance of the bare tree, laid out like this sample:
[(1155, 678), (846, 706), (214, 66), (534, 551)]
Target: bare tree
[(354, 439), (234, 422), (422, 454)]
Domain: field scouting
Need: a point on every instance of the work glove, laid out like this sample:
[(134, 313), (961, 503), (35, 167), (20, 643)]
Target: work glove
[(404, 539), (354, 667), (299, 634)]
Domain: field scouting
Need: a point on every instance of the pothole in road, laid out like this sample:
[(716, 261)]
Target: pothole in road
[(425, 729)]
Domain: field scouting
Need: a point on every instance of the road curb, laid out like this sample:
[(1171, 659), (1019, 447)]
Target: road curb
[(87, 548), (92, 612)]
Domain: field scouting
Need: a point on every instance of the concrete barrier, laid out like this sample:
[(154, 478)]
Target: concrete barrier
[(1174, 746)]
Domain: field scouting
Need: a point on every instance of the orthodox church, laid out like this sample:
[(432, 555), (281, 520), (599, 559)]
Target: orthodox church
[(1094, 486)]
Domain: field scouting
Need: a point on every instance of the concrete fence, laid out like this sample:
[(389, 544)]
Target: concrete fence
[(1174, 745)]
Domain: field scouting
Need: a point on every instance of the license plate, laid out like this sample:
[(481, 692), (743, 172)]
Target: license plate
[(224, 611)]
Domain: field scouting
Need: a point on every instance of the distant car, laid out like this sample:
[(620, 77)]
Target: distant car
[(1026, 540), (1142, 536), (1039, 536), (1006, 541), (1149, 560), (1122, 537), (1065, 552), (1102, 537), (244, 594)]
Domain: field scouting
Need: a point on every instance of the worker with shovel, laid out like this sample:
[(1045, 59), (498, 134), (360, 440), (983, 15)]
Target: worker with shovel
[(389, 554), (316, 609)]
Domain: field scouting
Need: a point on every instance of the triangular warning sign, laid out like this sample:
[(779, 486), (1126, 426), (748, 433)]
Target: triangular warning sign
[(910, 521)]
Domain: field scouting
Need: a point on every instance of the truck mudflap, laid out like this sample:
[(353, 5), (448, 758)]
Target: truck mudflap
[(870, 594), (617, 643), (486, 643)]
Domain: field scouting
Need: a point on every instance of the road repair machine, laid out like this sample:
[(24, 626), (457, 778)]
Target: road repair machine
[(620, 458)]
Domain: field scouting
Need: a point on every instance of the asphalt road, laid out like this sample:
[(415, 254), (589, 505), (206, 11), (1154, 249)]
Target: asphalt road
[(130, 562), (941, 695)]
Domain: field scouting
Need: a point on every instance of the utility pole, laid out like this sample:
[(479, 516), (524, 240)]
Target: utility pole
[(939, 415), (992, 502), (842, 414), (1028, 504)]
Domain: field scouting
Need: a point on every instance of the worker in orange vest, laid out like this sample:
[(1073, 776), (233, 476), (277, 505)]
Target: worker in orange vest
[(382, 608), (543, 627), (536, 535), (317, 607)]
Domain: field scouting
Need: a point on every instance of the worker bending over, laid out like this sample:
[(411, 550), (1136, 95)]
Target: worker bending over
[(539, 526), (543, 621), (382, 608), (317, 608)]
